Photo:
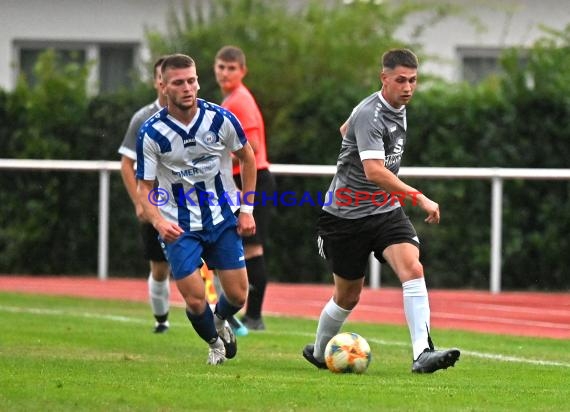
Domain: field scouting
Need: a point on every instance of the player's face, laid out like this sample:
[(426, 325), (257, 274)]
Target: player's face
[(181, 87), (229, 75), (398, 85)]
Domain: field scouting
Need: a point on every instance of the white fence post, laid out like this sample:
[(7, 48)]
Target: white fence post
[(375, 270), (496, 233), (103, 253)]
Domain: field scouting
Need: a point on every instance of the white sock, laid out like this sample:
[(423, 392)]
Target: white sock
[(159, 294), (218, 344), (330, 322), (416, 308)]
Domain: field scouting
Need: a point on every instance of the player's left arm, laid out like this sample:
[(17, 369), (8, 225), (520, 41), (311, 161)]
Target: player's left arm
[(246, 111), (376, 172), (252, 135), (248, 172)]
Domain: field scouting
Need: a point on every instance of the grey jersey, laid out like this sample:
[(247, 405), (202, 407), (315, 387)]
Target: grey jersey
[(129, 145), (376, 130)]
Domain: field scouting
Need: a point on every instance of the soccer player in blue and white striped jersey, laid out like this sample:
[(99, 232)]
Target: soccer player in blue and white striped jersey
[(187, 146)]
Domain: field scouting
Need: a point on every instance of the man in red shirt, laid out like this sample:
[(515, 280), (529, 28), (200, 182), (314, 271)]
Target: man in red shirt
[(230, 69)]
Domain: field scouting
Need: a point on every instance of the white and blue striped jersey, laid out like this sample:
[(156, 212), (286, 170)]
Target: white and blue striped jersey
[(193, 165)]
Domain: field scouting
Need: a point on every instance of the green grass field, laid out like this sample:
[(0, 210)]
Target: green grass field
[(67, 354)]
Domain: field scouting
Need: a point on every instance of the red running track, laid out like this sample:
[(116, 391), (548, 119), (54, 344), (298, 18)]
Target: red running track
[(514, 313)]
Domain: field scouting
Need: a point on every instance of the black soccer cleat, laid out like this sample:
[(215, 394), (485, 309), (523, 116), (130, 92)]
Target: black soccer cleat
[(431, 360), (161, 327), (308, 354), (230, 343)]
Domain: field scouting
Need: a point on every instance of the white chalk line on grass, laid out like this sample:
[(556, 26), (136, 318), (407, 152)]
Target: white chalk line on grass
[(57, 312), (126, 319)]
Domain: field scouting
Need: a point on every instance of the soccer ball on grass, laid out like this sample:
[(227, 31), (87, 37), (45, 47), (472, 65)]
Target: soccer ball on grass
[(348, 352)]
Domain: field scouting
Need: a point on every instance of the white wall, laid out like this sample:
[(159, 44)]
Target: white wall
[(75, 20), (506, 23)]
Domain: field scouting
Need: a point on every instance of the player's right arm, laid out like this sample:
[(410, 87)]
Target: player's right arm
[(127, 150), (147, 164), (130, 182), (167, 230)]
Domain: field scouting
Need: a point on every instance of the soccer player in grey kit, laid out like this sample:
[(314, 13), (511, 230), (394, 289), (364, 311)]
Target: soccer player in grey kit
[(159, 277), (366, 216)]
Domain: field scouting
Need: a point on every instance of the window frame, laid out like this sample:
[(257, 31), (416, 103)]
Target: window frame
[(91, 49)]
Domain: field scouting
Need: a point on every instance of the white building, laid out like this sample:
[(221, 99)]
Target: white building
[(109, 32), (112, 33), (467, 45)]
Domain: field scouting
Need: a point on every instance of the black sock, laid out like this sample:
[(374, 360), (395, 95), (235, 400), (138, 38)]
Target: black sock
[(258, 282), (161, 318), (203, 324), (224, 309)]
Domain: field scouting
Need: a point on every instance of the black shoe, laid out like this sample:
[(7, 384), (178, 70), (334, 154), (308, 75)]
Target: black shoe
[(308, 354), (230, 343), (253, 324), (431, 360), (161, 327)]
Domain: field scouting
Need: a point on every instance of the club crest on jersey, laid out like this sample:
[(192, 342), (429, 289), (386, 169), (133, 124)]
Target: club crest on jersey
[(210, 137)]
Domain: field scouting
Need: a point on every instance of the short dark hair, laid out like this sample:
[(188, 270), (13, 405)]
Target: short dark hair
[(231, 54), (157, 65), (399, 57), (176, 61)]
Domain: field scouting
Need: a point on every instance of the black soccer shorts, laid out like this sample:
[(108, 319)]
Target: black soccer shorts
[(151, 245), (347, 243)]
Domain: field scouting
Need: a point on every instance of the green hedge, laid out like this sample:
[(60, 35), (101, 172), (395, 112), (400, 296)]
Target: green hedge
[(50, 219)]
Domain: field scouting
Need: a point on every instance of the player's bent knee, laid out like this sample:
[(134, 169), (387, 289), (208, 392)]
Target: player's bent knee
[(347, 302), (416, 270), (237, 299), (195, 307)]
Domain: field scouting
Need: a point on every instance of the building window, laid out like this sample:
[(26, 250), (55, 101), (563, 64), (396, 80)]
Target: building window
[(478, 63), (114, 64), (29, 57), (116, 67)]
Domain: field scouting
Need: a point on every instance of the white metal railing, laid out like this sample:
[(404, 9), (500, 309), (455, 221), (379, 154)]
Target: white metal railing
[(495, 175)]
